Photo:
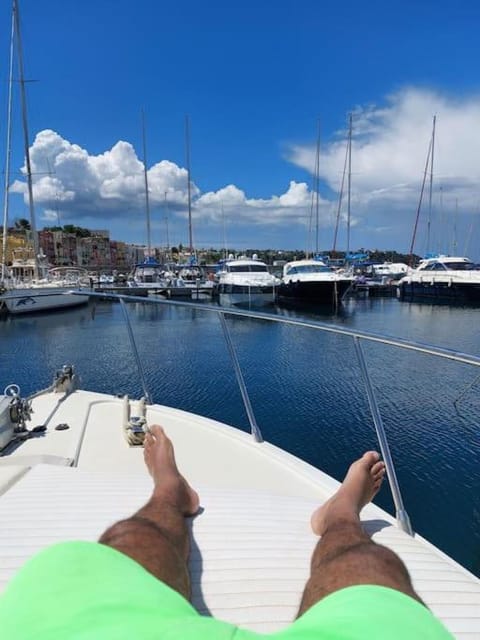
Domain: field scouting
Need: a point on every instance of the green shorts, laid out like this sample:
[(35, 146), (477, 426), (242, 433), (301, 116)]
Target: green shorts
[(80, 590)]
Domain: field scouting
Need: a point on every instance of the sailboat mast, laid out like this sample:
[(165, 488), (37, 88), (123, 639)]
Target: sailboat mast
[(454, 244), (349, 182), (442, 225), (317, 188), (33, 227), (417, 216), (224, 232), (340, 199), (9, 153), (469, 235), (166, 223), (429, 222), (314, 204), (145, 176), (189, 190)]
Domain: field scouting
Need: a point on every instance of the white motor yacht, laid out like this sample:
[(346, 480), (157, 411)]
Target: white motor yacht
[(246, 281), (148, 274), (390, 270), (442, 279), (312, 281)]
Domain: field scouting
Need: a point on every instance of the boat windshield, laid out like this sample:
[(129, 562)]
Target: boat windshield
[(449, 266), (308, 268), (236, 268)]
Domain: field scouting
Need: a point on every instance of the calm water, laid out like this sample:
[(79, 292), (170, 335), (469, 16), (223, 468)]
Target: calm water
[(305, 387)]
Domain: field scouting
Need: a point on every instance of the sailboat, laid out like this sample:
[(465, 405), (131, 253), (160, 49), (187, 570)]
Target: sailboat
[(312, 280), (40, 292), (438, 277), (149, 273), (5, 275), (190, 273)]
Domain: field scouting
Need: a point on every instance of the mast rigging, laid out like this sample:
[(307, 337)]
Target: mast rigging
[(145, 176), (9, 153), (189, 191), (33, 228)]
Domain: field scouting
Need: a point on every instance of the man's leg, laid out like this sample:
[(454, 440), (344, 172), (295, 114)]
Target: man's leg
[(345, 555), (156, 536)]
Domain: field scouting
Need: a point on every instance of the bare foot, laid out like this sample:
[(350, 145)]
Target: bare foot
[(160, 460), (363, 480)]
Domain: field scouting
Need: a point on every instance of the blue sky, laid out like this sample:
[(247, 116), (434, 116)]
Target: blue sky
[(254, 78)]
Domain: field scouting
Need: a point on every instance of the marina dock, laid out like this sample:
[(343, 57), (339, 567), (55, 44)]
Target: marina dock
[(167, 292), (372, 289)]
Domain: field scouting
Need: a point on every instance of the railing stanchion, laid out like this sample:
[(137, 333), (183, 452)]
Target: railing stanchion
[(146, 393), (400, 512), (254, 428)]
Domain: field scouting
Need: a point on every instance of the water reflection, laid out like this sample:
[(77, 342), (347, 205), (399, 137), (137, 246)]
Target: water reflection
[(305, 387)]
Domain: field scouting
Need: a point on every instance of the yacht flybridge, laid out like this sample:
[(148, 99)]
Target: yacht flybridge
[(71, 463)]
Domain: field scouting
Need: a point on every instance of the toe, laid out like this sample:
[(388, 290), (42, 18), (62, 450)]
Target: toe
[(378, 467), (371, 457), (148, 440), (156, 431)]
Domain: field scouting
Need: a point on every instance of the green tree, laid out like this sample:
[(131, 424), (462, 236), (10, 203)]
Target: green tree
[(22, 224)]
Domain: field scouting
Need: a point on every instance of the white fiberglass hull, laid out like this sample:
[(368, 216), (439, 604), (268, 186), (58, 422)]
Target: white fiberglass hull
[(247, 298), (32, 300), (159, 284)]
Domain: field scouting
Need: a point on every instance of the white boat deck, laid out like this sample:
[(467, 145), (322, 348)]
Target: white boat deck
[(251, 543)]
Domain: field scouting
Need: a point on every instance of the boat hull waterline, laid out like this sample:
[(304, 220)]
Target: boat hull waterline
[(327, 292), (34, 300)]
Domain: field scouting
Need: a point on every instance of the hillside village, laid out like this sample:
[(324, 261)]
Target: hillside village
[(93, 249)]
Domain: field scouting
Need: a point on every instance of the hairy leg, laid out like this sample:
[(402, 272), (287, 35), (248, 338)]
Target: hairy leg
[(157, 536), (345, 555)]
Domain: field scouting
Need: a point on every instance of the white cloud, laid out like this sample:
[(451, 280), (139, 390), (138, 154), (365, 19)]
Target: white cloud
[(292, 206), (390, 143), (111, 184), (389, 151)]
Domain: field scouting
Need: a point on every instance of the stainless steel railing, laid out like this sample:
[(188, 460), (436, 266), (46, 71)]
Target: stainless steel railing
[(358, 337)]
